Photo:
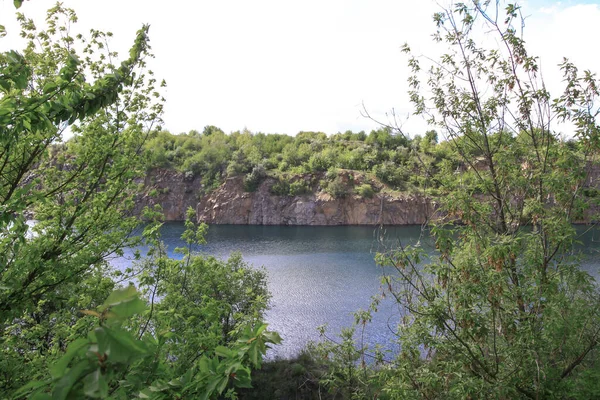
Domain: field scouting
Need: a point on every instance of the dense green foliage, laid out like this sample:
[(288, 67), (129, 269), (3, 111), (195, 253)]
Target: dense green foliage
[(503, 310), (214, 155), (199, 341), (66, 328), (51, 269), (383, 160)]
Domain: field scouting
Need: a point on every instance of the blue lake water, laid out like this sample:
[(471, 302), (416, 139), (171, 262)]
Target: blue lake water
[(322, 275)]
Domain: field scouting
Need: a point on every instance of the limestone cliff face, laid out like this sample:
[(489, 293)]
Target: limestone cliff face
[(231, 205), (172, 191)]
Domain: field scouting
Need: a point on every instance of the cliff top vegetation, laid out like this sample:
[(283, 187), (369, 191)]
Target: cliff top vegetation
[(387, 156)]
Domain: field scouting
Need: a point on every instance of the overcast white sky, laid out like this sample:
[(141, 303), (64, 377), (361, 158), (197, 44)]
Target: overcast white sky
[(282, 66)]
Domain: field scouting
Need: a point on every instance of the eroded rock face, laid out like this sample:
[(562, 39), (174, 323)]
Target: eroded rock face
[(172, 191), (231, 205)]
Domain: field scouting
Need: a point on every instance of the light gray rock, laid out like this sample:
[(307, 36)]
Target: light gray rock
[(231, 205)]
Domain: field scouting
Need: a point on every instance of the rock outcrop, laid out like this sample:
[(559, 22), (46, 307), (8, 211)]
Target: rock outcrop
[(231, 205), (172, 191)]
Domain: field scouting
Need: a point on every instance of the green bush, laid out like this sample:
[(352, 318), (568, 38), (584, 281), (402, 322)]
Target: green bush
[(331, 174), (392, 174), (365, 190), (284, 188), (281, 187), (237, 165), (337, 188), (298, 378), (319, 162), (299, 188), (254, 178)]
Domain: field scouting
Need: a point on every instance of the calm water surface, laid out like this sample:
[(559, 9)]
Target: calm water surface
[(322, 275)]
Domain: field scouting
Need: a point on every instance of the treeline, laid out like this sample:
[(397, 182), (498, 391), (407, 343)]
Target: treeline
[(212, 154), (399, 162)]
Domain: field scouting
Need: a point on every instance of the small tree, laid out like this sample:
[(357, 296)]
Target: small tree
[(253, 179), (80, 192), (503, 310)]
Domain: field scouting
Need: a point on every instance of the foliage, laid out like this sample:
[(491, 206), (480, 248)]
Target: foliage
[(201, 340), (299, 187), (294, 378), (392, 174), (203, 337), (365, 190), (113, 360), (214, 156), (38, 338), (80, 195), (281, 187), (503, 311), (319, 162), (291, 186), (338, 187), (205, 300), (344, 377), (345, 366), (254, 178)]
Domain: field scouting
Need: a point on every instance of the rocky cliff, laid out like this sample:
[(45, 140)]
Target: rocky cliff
[(171, 190), (230, 204)]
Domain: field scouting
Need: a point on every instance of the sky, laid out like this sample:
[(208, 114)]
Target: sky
[(284, 66)]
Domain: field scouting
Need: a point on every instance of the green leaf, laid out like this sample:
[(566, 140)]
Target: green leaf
[(261, 329), (50, 87), (204, 366), (217, 383), (128, 308), (21, 80), (101, 338), (233, 368), (95, 385), (121, 295), (63, 387), (242, 378), (18, 3), (40, 396), (272, 337), (59, 368), (223, 351), (4, 84), (127, 347), (30, 387), (222, 384), (254, 354)]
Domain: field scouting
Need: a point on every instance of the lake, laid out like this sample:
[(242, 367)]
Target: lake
[(322, 275)]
